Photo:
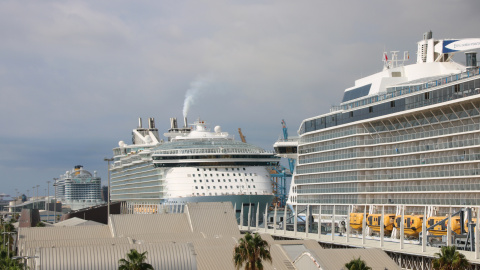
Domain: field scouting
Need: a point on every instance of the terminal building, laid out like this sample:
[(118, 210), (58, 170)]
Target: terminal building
[(193, 236)]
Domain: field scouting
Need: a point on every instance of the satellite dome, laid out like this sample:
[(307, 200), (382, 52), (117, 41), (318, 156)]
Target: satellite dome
[(121, 143), (218, 129)]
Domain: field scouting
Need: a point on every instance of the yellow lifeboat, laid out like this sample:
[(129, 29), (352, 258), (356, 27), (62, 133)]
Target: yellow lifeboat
[(441, 229), (412, 224), (356, 221), (374, 220)]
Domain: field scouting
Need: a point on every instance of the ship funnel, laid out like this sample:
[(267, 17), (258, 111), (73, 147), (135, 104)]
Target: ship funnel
[(151, 123), (173, 123), (185, 121), (427, 35), (139, 122)]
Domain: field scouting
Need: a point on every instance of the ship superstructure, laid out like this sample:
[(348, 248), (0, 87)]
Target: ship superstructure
[(193, 165), (408, 135)]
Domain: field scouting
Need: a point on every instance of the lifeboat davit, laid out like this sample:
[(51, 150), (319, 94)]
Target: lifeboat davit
[(441, 229)]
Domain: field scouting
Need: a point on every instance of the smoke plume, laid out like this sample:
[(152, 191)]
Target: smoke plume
[(195, 87)]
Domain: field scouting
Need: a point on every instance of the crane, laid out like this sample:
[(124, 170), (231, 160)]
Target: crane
[(241, 135), (291, 161)]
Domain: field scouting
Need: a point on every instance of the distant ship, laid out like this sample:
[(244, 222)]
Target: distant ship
[(79, 188), (193, 165), (406, 136)]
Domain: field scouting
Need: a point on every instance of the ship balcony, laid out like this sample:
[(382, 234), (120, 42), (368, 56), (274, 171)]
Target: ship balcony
[(286, 148)]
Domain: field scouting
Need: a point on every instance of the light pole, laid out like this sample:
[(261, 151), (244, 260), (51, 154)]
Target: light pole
[(48, 201), (38, 206), (25, 258), (55, 203), (108, 191), (8, 238), (33, 197), (15, 204)]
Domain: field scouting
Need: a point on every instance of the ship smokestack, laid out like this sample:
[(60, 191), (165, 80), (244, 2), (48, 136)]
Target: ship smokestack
[(185, 121), (139, 122), (151, 123), (173, 123)]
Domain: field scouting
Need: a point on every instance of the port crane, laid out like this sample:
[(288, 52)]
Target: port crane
[(241, 135), (291, 161)]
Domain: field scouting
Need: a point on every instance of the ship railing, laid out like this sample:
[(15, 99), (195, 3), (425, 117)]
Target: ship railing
[(397, 91), (210, 151), (288, 140)]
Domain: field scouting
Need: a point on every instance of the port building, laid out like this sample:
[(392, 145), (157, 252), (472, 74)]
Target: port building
[(196, 236)]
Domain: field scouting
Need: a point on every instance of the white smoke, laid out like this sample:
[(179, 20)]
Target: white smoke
[(200, 83)]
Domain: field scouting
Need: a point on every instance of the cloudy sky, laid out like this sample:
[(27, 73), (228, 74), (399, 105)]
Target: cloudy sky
[(76, 75)]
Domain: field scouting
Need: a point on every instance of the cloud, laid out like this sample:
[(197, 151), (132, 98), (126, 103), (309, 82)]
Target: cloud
[(80, 72)]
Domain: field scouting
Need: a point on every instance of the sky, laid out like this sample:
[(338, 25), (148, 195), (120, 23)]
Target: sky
[(75, 76)]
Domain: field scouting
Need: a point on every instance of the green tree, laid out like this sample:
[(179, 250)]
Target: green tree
[(251, 251), (357, 264), (6, 262), (134, 261), (450, 259), (40, 224)]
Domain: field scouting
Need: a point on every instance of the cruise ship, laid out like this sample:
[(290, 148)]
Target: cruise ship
[(79, 188), (194, 164), (408, 136)]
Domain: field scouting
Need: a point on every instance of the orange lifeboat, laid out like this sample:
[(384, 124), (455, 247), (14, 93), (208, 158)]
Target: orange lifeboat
[(374, 220), (412, 224), (356, 221)]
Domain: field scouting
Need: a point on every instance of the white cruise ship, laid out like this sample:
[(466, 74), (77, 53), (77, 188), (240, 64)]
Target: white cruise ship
[(193, 165), (408, 135)]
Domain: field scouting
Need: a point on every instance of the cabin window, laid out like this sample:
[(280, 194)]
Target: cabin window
[(427, 95), (351, 114), (370, 109), (392, 103)]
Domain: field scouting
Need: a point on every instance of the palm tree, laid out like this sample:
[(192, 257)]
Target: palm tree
[(450, 258), (251, 250), (135, 261), (357, 264)]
